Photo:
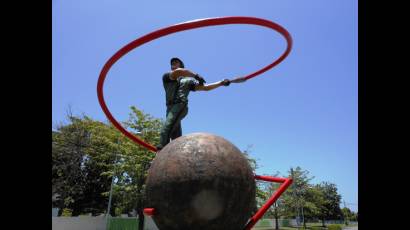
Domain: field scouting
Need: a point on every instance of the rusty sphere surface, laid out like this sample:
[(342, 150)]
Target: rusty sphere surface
[(200, 181)]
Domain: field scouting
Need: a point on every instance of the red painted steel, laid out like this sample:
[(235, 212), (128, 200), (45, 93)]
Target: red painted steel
[(188, 26), (174, 29), (285, 184)]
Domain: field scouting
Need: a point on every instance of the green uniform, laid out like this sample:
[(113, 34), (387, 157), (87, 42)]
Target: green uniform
[(176, 95)]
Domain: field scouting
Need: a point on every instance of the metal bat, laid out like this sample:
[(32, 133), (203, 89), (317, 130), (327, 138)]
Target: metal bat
[(238, 80)]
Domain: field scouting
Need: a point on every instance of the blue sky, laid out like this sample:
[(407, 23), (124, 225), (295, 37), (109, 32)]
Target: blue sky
[(304, 112)]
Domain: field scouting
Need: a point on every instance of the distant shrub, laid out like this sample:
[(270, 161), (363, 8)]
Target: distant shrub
[(67, 212)]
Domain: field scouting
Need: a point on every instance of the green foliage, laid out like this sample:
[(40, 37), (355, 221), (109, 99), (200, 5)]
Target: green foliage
[(75, 166), (67, 212), (297, 194), (132, 168), (349, 215), (329, 205), (87, 154), (318, 201), (261, 196), (285, 223), (353, 216)]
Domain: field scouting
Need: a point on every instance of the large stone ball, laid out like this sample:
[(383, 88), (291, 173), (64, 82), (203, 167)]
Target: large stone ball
[(200, 181)]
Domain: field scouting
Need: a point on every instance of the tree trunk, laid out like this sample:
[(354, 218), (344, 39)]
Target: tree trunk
[(140, 205), (323, 223), (60, 211), (140, 219), (140, 200), (60, 206)]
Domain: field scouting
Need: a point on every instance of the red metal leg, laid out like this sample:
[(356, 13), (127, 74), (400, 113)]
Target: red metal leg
[(149, 211), (285, 184)]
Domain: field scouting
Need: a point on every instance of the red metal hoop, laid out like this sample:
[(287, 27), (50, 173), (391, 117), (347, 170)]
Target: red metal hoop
[(174, 29)]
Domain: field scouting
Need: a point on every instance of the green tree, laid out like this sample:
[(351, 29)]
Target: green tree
[(300, 194), (348, 215), (76, 173), (329, 202), (87, 155), (315, 204), (131, 170), (295, 202), (354, 216), (261, 195)]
